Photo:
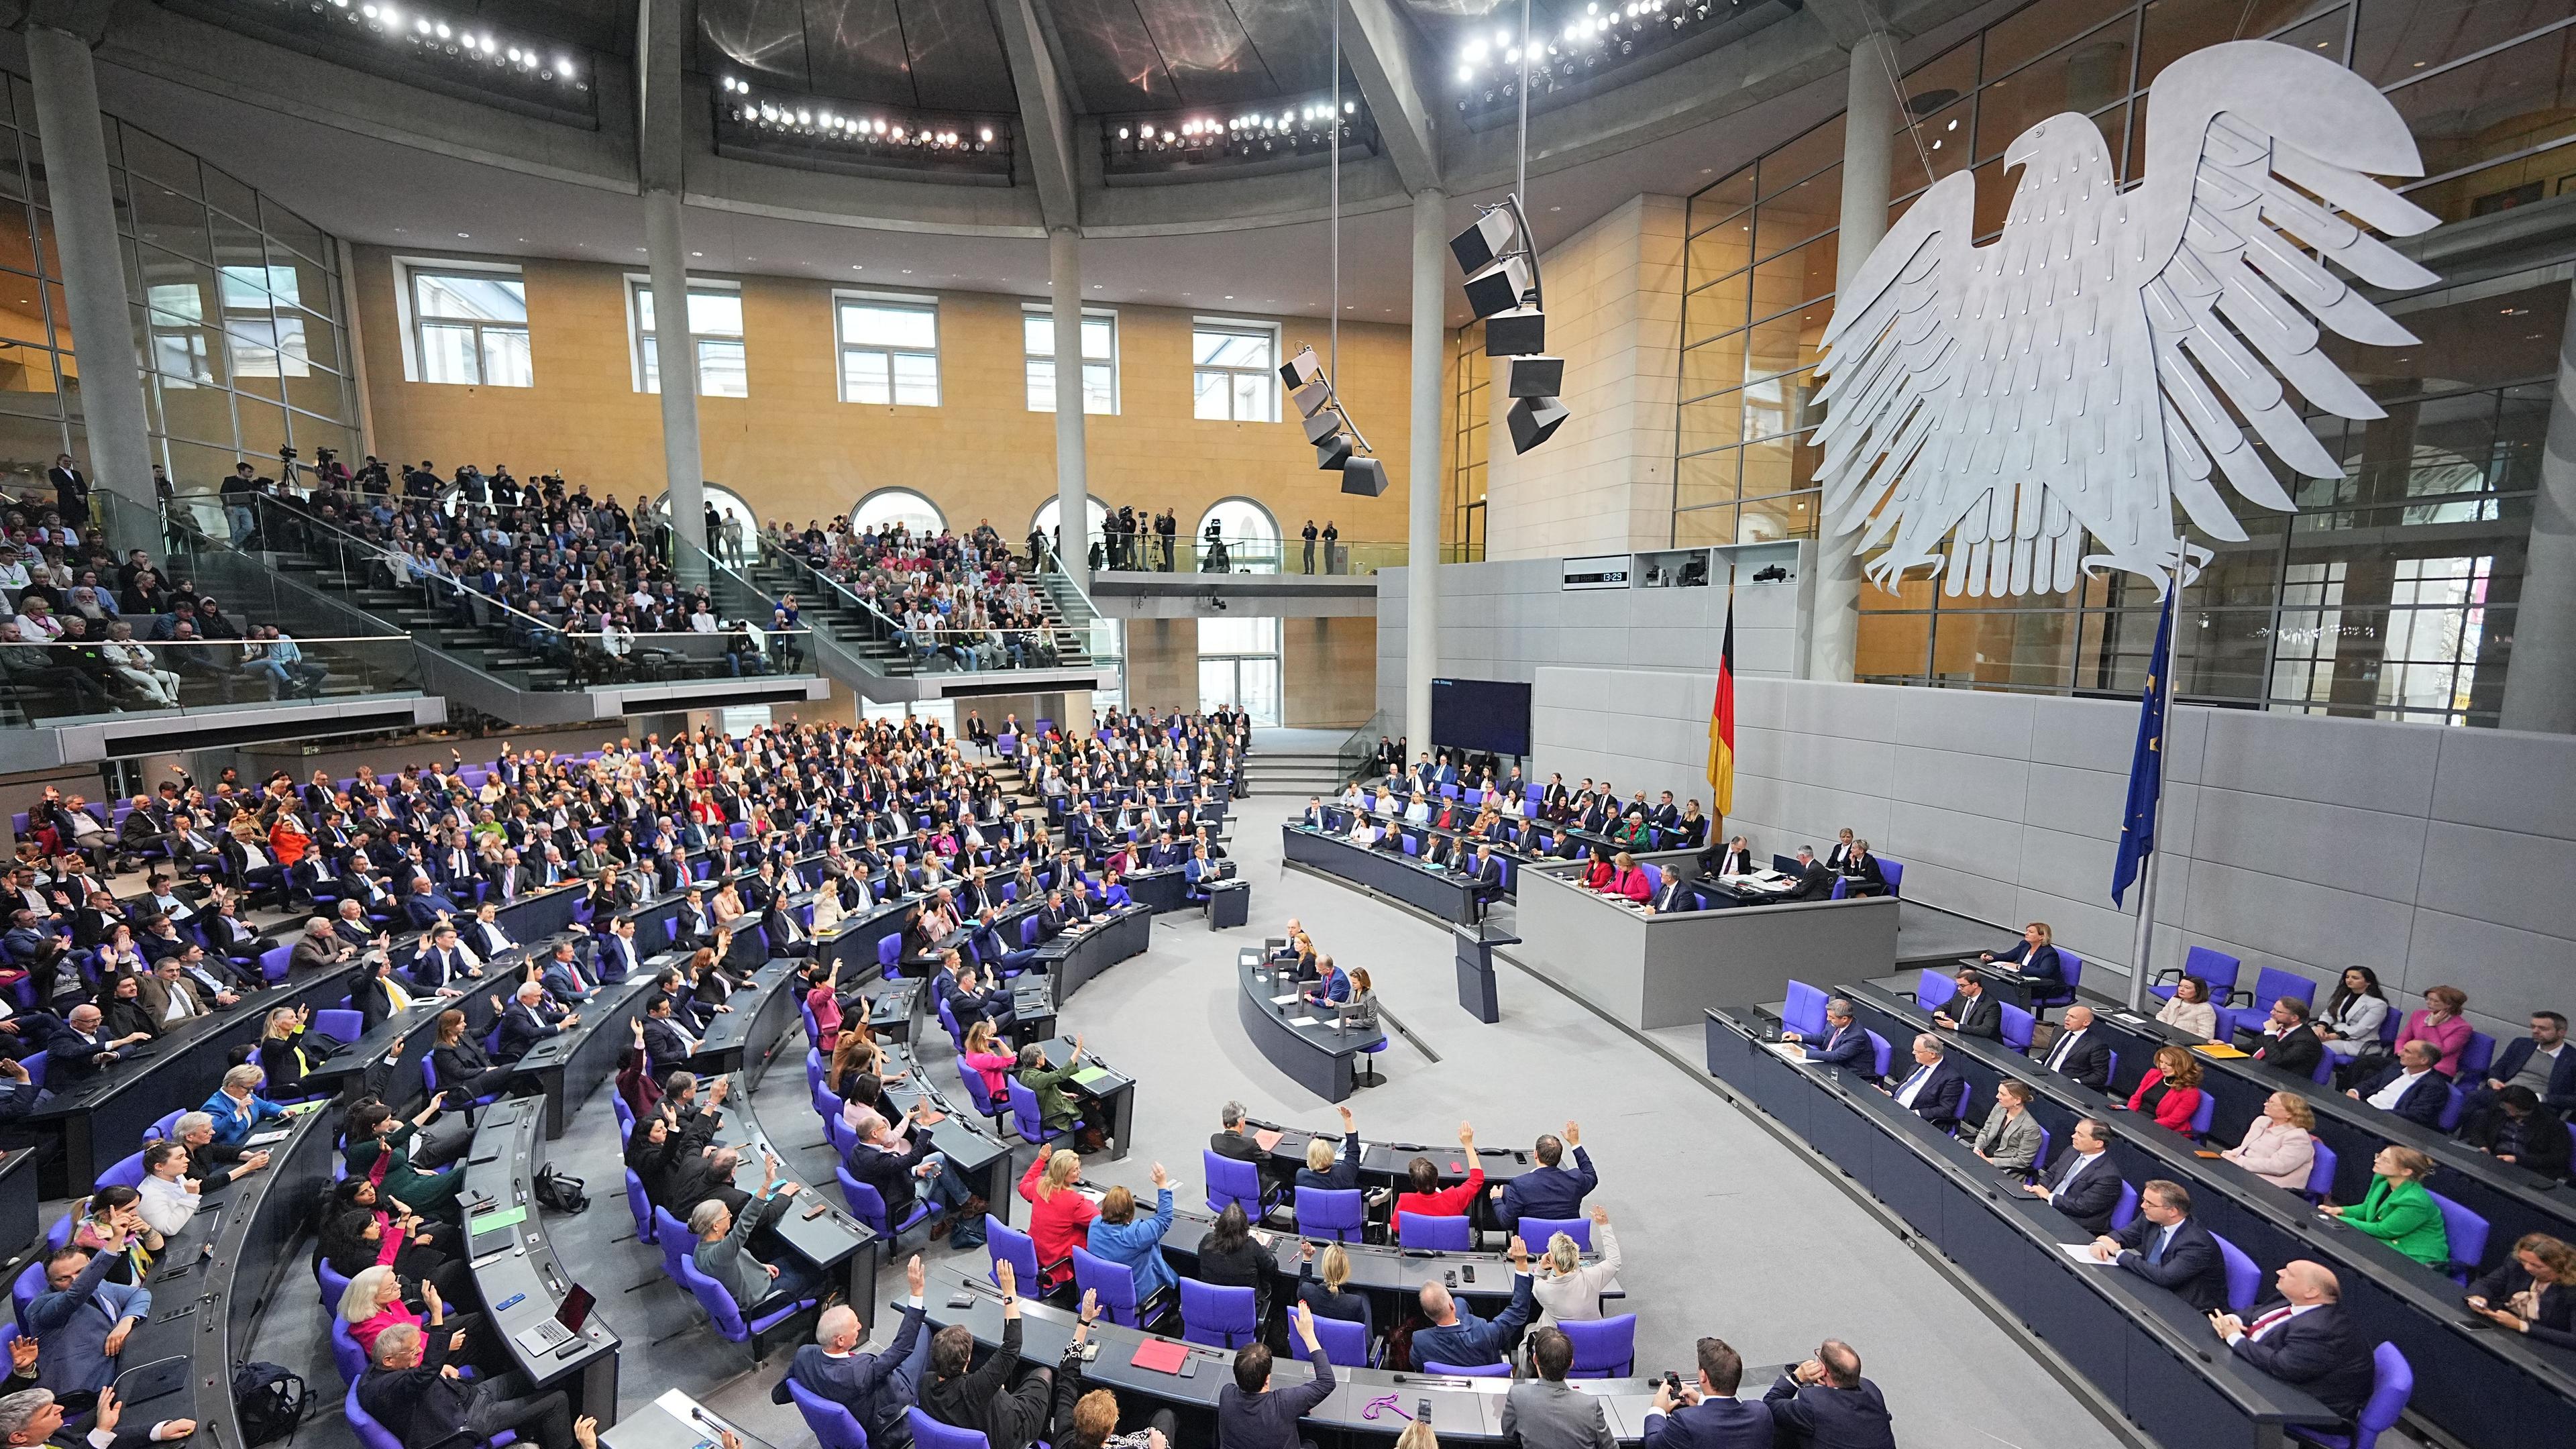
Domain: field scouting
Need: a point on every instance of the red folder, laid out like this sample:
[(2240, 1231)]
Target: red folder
[(1162, 1355)]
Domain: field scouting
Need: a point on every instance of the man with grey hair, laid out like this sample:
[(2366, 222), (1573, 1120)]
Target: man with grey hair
[(1933, 1089), (1233, 1137), (723, 1251), (875, 1387), (34, 1416), (411, 1389), (1844, 1043)]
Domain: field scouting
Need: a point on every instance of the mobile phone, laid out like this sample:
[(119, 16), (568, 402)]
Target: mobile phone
[(961, 1299), (1467, 1271), (817, 1210), (1450, 1278), (1190, 1367), (1422, 1411)]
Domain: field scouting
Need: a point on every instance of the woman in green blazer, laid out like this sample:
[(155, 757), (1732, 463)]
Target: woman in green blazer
[(379, 1148), (2398, 1210)]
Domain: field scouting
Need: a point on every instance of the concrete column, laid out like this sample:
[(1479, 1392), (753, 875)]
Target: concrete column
[(675, 354), (1072, 484), (2540, 687), (1869, 137), (1422, 473), (92, 258)]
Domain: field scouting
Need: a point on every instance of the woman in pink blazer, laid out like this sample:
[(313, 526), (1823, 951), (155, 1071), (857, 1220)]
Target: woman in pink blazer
[(2279, 1146), (2441, 1024)]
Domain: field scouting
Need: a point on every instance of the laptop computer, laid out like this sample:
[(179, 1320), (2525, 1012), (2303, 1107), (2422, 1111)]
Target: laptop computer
[(555, 1332)]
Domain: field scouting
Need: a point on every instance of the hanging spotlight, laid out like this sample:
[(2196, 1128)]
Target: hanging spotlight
[(1502, 287)]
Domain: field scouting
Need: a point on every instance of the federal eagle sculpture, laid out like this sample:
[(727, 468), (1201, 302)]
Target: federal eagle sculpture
[(2076, 376)]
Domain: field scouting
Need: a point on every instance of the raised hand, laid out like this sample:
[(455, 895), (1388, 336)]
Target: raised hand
[(1600, 1215), (1573, 1134), (1519, 1253), (1007, 1279), (913, 1276), (585, 1432), (1162, 1179), (22, 1354)]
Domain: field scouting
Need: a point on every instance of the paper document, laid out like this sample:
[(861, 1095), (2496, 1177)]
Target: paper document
[(2082, 1253), (264, 1138), (1091, 1076), (2219, 1051), (1288, 1000), (506, 1217), (1303, 1021), (1268, 1137), (1789, 1051)]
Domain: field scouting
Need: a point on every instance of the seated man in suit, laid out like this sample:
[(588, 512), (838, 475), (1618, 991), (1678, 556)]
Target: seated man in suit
[(1844, 1044), (33, 1417), (528, 1020), (2080, 1052), (1542, 1412), (82, 1320), (1933, 1089), (2409, 1086), (563, 977), (875, 1387), (2542, 1062), (2084, 1185), (1464, 1340), (424, 905), (1735, 857), (318, 949), (2304, 1338), (969, 1000), (1674, 895), (1707, 1414), (2167, 1246), (1974, 1012), (82, 1049), (2290, 1040), (723, 1248), (1815, 878), (667, 1042), (1826, 1403), (443, 960)]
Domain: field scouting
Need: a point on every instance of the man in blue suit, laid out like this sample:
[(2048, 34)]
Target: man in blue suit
[(2167, 1246), (82, 1319), (1844, 1044), (1549, 1190), (562, 977), (875, 1387), (2085, 1183), (2409, 1086), (1931, 1089), (1463, 1340), (1708, 1415), (2304, 1337), (1826, 1404), (527, 1022), (425, 905)]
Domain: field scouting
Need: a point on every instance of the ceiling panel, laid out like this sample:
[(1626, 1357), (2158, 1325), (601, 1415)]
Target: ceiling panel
[(1211, 59), (1295, 38), (854, 50), (1115, 63), (957, 59), (605, 25), (765, 38)]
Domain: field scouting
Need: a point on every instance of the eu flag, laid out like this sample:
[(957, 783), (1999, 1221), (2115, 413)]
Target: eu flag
[(2147, 762)]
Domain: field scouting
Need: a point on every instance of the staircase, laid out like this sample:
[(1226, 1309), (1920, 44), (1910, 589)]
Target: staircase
[(484, 648), (864, 636), (1293, 770)]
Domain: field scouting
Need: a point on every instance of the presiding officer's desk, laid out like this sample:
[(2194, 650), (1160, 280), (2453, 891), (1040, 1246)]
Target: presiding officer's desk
[(1389, 1273), (1461, 1408), (2144, 1350), (1648, 971), (526, 1276), (2513, 1200), (1306, 1042), (90, 1124), (1072, 958), (961, 1136), (1434, 890), (215, 1278), (2488, 1389)]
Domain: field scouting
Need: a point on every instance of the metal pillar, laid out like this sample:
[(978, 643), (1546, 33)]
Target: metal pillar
[(1869, 135), (92, 260), (1422, 474), (661, 171), (2540, 687), (1072, 486)]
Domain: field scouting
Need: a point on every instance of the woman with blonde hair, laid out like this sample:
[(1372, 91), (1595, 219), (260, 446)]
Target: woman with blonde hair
[(1567, 1288), (2280, 1146), (984, 1055), (2399, 1210), (1322, 1276), (1059, 1216), (2533, 1291)]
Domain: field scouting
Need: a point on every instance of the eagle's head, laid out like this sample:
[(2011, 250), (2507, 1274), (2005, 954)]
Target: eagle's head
[(2065, 145)]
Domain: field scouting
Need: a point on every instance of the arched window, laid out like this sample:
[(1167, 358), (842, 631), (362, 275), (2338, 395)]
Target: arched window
[(1050, 510), (916, 513), (1248, 532), (744, 544)]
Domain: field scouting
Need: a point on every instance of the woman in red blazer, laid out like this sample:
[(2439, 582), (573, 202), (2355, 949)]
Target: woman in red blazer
[(2170, 1090), (1602, 875), (1630, 879), (1059, 1215)]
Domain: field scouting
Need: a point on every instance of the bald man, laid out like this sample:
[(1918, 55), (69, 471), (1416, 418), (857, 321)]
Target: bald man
[(1463, 1339), (874, 1387), (2304, 1337)]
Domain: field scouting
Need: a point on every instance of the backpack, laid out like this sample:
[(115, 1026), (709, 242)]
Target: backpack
[(559, 1192), (270, 1402)]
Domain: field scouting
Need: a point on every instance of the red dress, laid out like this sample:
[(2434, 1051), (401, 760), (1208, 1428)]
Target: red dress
[(1057, 1225)]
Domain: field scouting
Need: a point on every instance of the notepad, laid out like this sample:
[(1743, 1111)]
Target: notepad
[(1788, 1051), (264, 1138), (506, 1217), (1091, 1076), (1161, 1355), (1304, 1021), (1288, 1000), (2082, 1253), (2219, 1051), (1268, 1138)]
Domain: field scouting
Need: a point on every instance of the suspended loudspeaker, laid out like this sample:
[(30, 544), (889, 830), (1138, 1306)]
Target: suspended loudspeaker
[(1477, 246), (1537, 376), (1364, 476), (1516, 333), (1533, 420), (1333, 451)]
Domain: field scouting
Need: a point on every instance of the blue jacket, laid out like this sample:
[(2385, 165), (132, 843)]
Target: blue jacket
[(2039, 965), (1832, 1418), (2561, 1095), (1344, 1173), (74, 1323), (1548, 1192), (234, 1121), (867, 1384), (1711, 1424), (2421, 1103), (1335, 987), (1139, 1245), (1473, 1341), (1849, 1049), (423, 910)]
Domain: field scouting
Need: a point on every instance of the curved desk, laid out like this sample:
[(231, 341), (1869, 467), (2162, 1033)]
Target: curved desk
[(1114, 935), (499, 1171), (983, 1159), (1461, 1408), (1443, 894), (1382, 1269), (815, 1226), (1315, 1052)]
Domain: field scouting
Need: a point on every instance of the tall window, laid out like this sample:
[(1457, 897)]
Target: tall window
[(1247, 531), (1099, 360), (471, 326), (715, 320), (1231, 371), (1239, 664), (886, 506), (889, 351), (263, 326)]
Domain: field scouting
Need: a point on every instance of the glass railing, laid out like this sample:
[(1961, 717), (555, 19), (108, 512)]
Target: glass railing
[(86, 676), (969, 650), (1147, 554), (1357, 753)]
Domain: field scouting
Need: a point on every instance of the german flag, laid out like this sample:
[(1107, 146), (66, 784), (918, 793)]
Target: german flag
[(1721, 725)]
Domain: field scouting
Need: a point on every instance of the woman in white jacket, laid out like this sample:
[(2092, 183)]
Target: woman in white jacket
[(2279, 1146), (1570, 1288)]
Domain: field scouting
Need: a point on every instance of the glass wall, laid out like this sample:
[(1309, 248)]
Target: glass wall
[(2390, 593), (236, 314)]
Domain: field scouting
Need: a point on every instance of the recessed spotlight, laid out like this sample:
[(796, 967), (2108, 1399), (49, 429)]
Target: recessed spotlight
[(465, 236), (697, 254)]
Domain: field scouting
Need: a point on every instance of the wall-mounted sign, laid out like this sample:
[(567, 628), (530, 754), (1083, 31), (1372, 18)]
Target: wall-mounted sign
[(1608, 571)]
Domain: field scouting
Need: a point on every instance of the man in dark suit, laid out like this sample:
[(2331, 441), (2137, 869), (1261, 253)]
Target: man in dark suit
[(2167, 1246), (1974, 1011), (2081, 1052), (1825, 1403), (442, 960), (1708, 1415), (666, 1042), (1933, 1089), (2085, 1184), (527, 1021), (2304, 1338), (2289, 1041), (870, 1385), (562, 976), (1675, 894), (2409, 1086), (1815, 878), (1735, 857), (2543, 1060), (1844, 1044), (425, 905)]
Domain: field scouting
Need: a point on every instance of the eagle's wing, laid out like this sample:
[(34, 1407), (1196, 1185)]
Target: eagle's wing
[(1890, 349), (2256, 152)]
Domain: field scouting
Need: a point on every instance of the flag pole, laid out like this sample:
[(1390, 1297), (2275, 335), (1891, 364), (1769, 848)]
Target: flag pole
[(2142, 942)]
